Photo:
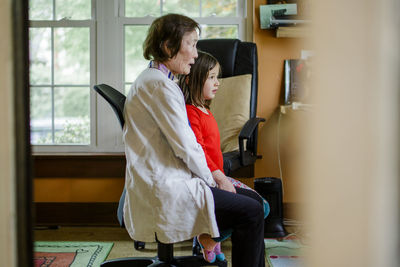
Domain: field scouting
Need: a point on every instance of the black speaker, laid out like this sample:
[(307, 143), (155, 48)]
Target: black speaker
[(270, 188)]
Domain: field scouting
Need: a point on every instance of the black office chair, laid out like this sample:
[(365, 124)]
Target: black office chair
[(238, 58), (165, 255), (115, 98), (117, 102), (235, 58)]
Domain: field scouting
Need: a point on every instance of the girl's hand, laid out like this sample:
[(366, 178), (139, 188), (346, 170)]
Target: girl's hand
[(223, 182)]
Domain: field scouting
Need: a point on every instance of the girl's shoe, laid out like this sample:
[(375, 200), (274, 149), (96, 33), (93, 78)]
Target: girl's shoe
[(208, 255), (218, 253)]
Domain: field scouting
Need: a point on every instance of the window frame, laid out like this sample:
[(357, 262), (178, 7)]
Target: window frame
[(107, 34)]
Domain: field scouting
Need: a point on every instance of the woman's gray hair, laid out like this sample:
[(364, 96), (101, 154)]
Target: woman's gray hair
[(168, 29)]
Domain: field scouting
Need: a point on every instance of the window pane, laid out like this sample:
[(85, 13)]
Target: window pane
[(71, 56), (220, 8), (40, 10), (219, 31), (140, 8), (127, 88), (134, 60), (40, 113), (73, 9), (72, 112), (189, 8), (40, 55)]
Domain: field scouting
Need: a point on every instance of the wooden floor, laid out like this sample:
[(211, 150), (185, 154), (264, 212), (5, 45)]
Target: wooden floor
[(123, 244)]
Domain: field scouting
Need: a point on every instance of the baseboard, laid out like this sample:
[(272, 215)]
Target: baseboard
[(292, 210), (76, 214)]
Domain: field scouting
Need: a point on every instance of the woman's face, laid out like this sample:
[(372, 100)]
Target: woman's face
[(180, 63)]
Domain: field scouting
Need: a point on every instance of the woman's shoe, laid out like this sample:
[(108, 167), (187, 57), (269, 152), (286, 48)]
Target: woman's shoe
[(208, 255), (218, 253)]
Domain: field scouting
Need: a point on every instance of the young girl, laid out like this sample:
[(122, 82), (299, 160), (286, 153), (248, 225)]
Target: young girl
[(199, 88)]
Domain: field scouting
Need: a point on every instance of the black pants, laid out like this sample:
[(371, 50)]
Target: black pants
[(244, 213)]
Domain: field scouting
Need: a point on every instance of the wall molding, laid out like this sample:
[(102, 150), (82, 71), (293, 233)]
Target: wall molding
[(97, 213), (76, 214), (79, 165), (93, 166)]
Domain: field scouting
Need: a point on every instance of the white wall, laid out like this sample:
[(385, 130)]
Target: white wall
[(351, 173), (7, 176)]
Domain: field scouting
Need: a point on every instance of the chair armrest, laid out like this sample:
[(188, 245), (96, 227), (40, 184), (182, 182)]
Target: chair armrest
[(249, 128), (247, 133)]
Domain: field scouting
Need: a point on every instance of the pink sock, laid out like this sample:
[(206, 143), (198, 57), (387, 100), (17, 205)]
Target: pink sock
[(217, 249), (218, 253)]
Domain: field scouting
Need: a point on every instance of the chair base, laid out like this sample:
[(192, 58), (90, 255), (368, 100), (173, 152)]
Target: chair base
[(128, 262), (182, 261)]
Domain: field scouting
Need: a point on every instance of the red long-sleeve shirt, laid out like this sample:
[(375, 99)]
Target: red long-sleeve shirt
[(206, 131)]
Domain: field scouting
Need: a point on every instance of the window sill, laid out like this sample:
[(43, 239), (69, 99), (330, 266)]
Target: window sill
[(78, 154)]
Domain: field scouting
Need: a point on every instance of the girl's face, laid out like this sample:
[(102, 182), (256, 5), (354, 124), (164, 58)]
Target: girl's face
[(210, 87), (181, 62)]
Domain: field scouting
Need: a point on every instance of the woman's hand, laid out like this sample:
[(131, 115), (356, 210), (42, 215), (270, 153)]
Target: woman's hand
[(223, 182)]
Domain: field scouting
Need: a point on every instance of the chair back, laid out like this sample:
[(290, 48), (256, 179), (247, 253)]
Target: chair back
[(236, 58), (114, 98)]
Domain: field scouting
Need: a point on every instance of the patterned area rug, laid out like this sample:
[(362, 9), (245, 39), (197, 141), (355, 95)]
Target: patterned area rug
[(284, 253), (73, 254)]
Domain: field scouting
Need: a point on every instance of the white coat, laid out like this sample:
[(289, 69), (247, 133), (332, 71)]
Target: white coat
[(167, 177)]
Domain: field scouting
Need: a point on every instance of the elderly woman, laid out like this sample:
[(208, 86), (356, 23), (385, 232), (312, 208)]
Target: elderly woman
[(171, 194)]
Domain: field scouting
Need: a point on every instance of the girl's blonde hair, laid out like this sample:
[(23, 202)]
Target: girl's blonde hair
[(192, 84)]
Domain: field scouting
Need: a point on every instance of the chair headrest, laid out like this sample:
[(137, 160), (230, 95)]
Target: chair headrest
[(224, 50)]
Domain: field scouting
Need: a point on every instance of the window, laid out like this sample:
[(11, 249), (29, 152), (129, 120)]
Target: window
[(75, 44), (60, 76)]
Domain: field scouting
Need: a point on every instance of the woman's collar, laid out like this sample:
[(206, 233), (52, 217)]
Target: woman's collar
[(162, 68)]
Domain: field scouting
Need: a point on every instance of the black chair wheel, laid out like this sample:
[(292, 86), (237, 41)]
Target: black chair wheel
[(196, 250), (139, 245)]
